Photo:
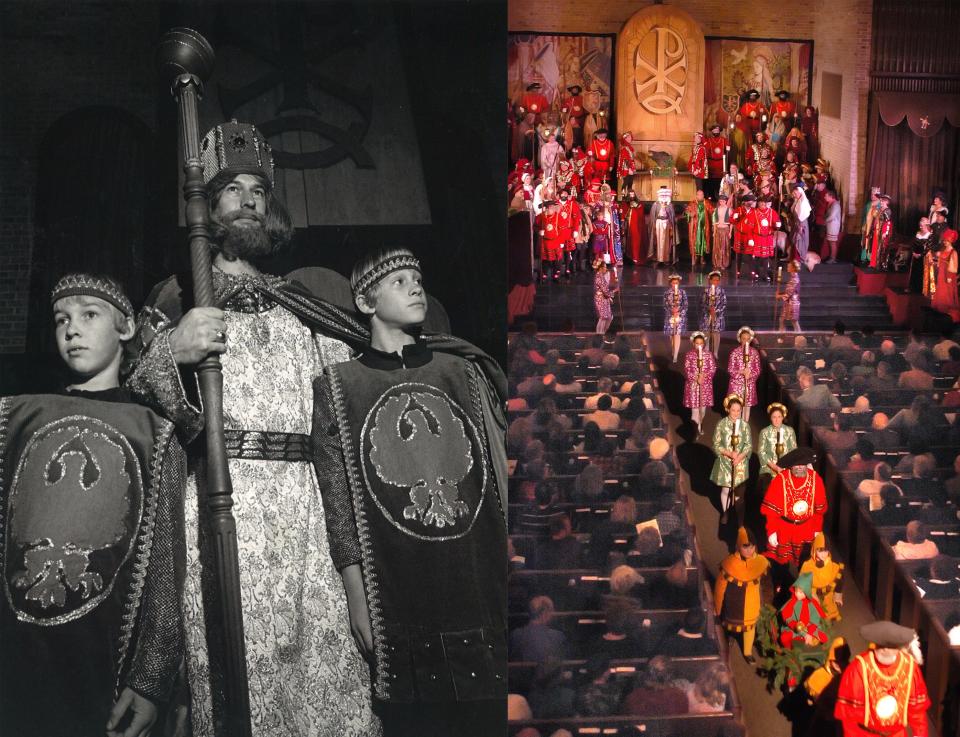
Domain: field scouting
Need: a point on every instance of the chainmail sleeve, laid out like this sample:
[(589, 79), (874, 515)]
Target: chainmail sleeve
[(160, 645), (331, 471)]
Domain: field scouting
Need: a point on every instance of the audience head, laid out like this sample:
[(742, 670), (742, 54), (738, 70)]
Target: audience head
[(610, 362), (916, 532), (654, 473), (659, 447), (888, 347), (596, 341), (545, 493), (889, 495), (880, 421), (861, 405), (618, 614), (565, 374), (658, 674), (882, 472), (883, 370), (553, 357), (865, 449), (800, 342), (924, 466), (954, 353), (647, 542), (604, 403), (560, 527), (842, 422), (839, 328), (592, 435), (541, 609), (624, 578), (804, 377), (604, 385), (546, 408), (868, 358), (624, 510), (589, 483), (712, 684)]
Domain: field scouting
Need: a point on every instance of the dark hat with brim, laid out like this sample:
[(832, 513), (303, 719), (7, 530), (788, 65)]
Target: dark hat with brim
[(749, 197), (884, 196), (533, 86), (783, 94), (575, 89), (600, 130), (716, 128), (887, 634), (752, 93), (797, 457)]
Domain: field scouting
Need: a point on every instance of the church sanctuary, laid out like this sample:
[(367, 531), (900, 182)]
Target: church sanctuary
[(734, 368)]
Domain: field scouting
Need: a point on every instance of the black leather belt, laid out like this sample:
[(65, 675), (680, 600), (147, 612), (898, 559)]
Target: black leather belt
[(256, 445), (794, 521)]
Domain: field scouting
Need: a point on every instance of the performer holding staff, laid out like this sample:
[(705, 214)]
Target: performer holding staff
[(776, 439), (713, 309), (699, 366), (674, 313), (604, 287), (744, 368), (732, 444)]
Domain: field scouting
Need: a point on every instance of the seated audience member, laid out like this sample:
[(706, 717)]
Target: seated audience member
[(601, 693), (918, 377), (708, 694), (866, 367), (667, 518), (654, 693), (588, 486), (917, 546), (561, 550), (594, 441), (533, 453), (840, 379), (594, 352), (951, 364), (925, 481), (869, 339), (552, 694), (689, 640), (621, 524), (566, 381), (879, 435), (915, 449), (658, 449), (610, 364), (883, 380), (625, 583), (640, 434), (648, 552), (537, 641), (915, 346), (604, 417), (618, 641), (604, 386), (889, 353), (952, 485), (652, 483), (530, 384), (840, 341), (558, 443), (814, 395), (869, 489), (892, 510), (941, 351), (922, 421), (861, 406), (839, 438), (546, 413), (622, 348), (535, 520), (519, 435), (553, 361), (943, 582), (863, 461), (515, 403)]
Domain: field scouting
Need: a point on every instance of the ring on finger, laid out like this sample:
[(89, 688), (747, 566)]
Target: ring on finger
[(221, 336)]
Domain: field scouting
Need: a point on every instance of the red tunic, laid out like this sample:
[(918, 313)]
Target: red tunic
[(569, 223), (626, 164), (698, 161), (602, 156), (897, 691), (765, 223), (752, 113), (633, 225), (783, 109), (742, 230), (715, 148), (534, 102), (573, 106), (754, 154), (794, 509), (551, 235)]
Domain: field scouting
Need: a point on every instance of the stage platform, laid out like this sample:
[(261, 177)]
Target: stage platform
[(827, 294)]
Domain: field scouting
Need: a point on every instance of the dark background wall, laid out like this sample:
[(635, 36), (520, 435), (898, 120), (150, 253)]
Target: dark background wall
[(89, 170)]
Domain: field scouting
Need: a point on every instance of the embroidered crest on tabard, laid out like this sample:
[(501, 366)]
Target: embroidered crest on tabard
[(423, 462), (74, 506)]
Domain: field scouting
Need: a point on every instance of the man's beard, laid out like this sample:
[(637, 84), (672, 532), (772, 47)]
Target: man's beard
[(243, 242)]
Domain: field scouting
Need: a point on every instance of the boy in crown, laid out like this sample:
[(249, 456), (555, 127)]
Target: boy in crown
[(408, 447), (91, 495)]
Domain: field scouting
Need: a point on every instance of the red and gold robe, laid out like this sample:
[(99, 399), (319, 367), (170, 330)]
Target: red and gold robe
[(794, 509), (896, 691)]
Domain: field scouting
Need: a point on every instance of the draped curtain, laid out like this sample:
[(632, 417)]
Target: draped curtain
[(910, 168)]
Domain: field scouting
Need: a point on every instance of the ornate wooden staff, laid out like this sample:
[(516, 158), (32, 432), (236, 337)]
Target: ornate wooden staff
[(186, 59)]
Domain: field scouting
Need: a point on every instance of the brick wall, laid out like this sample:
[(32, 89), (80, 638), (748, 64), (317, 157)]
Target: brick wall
[(55, 58), (840, 30)]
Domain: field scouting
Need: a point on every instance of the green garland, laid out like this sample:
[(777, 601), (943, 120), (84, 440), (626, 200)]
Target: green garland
[(779, 664)]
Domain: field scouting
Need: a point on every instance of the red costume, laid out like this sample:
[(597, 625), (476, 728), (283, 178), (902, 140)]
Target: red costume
[(633, 224), (569, 222), (602, 151), (573, 106), (794, 509), (716, 147), (802, 615), (551, 234), (760, 157), (765, 223), (698, 159), (783, 109), (534, 102), (753, 111), (743, 230), (626, 163), (593, 194), (882, 699)]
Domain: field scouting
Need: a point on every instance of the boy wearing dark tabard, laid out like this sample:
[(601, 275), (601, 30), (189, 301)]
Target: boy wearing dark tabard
[(91, 538), (408, 446)]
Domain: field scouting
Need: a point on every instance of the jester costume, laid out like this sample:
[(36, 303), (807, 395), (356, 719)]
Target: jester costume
[(801, 615), (793, 507), (91, 549), (827, 578), (737, 593), (409, 453)]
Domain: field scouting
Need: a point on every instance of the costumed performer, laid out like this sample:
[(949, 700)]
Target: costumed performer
[(738, 592), (776, 440), (744, 368), (699, 366), (674, 313), (732, 445), (713, 311), (827, 578)]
